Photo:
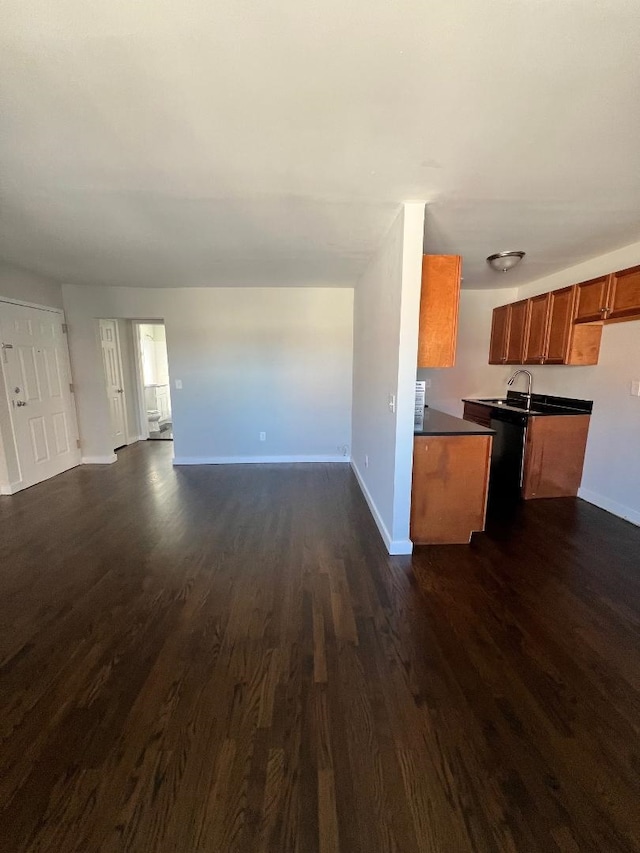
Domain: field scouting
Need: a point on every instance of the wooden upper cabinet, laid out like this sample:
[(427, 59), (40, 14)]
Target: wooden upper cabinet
[(564, 326), (592, 300), (517, 332), (439, 303), (561, 304), (624, 295), (499, 334), (535, 348)]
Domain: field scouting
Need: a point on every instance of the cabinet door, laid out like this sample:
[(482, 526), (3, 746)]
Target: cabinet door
[(478, 413), (591, 300), (439, 300), (449, 488), (536, 339), (624, 296), (554, 456), (499, 334), (560, 324), (517, 332)]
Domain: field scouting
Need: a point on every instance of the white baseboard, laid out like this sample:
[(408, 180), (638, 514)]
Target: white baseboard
[(613, 507), (253, 460), (135, 438), (99, 460), (11, 488), (395, 547)]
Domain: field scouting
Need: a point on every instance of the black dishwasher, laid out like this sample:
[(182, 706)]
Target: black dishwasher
[(507, 455)]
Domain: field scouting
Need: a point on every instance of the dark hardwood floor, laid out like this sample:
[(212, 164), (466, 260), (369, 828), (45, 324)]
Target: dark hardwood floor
[(220, 659)]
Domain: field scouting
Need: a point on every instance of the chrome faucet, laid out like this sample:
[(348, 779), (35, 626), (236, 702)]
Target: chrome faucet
[(530, 383)]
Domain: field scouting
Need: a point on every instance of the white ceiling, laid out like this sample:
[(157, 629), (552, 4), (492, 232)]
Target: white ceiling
[(190, 142)]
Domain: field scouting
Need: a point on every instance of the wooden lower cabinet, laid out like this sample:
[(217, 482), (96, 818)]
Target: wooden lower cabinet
[(553, 453), (554, 456), (479, 413), (449, 491)]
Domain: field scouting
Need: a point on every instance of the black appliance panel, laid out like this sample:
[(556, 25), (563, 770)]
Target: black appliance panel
[(507, 455)]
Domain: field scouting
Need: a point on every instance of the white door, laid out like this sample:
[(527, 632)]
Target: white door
[(37, 375), (112, 362)]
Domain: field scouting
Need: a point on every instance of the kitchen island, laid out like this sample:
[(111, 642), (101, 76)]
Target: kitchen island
[(451, 460)]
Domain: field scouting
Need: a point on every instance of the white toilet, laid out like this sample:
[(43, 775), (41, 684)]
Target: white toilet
[(153, 417)]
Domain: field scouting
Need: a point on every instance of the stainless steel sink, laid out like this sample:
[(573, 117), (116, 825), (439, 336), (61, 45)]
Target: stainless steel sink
[(508, 404)]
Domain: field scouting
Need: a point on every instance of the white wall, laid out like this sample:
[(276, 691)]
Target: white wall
[(276, 360), (471, 376), (21, 286), (25, 286), (385, 347)]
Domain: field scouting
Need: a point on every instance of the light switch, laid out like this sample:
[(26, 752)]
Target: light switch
[(178, 384), (635, 387)]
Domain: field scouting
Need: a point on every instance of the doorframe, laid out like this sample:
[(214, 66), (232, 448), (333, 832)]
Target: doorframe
[(10, 487), (137, 349), (24, 304), (142, 406)]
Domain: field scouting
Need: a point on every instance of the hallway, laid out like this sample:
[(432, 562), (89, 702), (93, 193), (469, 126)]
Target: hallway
[(224, 658)]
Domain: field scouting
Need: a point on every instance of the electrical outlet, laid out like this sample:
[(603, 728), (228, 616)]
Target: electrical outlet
[(178, 384), (392, 402), (263, 436), (635, 387)]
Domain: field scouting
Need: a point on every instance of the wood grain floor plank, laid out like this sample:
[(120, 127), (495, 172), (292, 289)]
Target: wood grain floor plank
[(223, 659)]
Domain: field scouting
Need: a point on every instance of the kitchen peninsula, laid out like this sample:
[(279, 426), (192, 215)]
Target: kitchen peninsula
[(451, 459)]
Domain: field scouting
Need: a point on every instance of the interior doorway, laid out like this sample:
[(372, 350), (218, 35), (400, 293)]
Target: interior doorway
[(155, 387)]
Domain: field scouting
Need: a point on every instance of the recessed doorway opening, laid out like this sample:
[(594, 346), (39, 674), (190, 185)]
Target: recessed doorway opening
[(156, 392)]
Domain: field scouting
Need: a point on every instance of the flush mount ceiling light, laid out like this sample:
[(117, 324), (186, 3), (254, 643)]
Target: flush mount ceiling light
[(504, 261)]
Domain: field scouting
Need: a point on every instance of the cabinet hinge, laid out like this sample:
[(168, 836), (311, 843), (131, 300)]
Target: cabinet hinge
[(72, 388), (65, 329), (78, 443)]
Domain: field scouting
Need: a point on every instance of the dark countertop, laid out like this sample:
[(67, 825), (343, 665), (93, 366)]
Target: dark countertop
[(541, 404), (439, 423)]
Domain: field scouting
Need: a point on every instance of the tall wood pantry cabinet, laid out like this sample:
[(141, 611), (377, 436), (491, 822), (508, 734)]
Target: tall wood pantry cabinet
[(439, 303)]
